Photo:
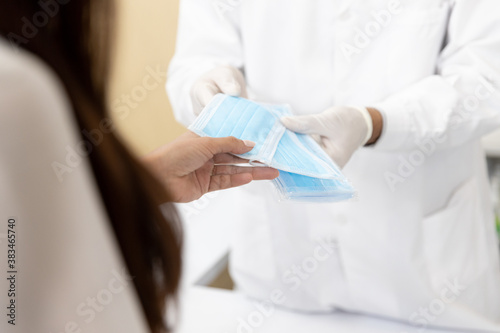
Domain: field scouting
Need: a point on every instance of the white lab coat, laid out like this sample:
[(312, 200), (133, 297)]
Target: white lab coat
[(418, 244), (69, 273)]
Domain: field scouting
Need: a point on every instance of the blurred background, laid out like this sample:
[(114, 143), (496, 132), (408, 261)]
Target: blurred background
[(145, 44)]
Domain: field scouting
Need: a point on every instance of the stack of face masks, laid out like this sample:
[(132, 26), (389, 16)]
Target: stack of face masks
[(306, 172)]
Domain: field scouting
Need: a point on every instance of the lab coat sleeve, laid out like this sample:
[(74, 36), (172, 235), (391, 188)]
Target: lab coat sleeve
[(462, 101), (208, 37)]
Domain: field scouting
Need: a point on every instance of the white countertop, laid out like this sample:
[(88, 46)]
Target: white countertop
[(211, 310), (206, 237)]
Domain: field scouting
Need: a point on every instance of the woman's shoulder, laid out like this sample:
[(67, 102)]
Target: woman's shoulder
[(35, 111), (28, 87), (19, 64)]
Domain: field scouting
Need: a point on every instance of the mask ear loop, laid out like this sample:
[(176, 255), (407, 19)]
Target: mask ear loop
[(250, 164), (257, 164)]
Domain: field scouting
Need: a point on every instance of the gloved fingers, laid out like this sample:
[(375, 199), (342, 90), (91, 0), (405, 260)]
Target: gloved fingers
[(202, 94), (242, 83), (231, 82), (318, 138), (244, 92), (229, 87), (304, 124), (207, 92), (224, 79), (337, 154), (358, 119)]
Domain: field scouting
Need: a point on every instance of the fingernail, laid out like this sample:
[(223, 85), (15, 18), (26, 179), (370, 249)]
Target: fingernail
[(249, 143)]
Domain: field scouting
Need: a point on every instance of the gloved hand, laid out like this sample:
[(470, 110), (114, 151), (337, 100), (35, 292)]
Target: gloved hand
[(225, 79), (340, 130)]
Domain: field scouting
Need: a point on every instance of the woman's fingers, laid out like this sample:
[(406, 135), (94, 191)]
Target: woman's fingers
[(222, 182), (187, 136), (228, 159), (228, 176), (264, 173), (257, 173), (228, 145)]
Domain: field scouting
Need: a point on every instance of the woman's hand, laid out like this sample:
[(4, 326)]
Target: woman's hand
[(191, 166)]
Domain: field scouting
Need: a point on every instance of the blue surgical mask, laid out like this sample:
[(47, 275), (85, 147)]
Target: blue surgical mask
[(297, 187), (306, 171)]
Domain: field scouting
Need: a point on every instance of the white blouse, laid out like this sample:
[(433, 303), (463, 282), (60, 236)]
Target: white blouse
[(60, 267)]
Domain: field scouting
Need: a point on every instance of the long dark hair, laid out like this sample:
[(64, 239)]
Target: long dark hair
[(73, 38)]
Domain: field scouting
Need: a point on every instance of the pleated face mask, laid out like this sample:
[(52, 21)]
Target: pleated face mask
[(306, 172)]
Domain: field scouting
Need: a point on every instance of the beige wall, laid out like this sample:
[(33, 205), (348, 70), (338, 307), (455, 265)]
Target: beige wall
[(146, 39)]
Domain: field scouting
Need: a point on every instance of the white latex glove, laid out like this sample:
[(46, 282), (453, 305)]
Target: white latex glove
[(340, 130), (225, 79)]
